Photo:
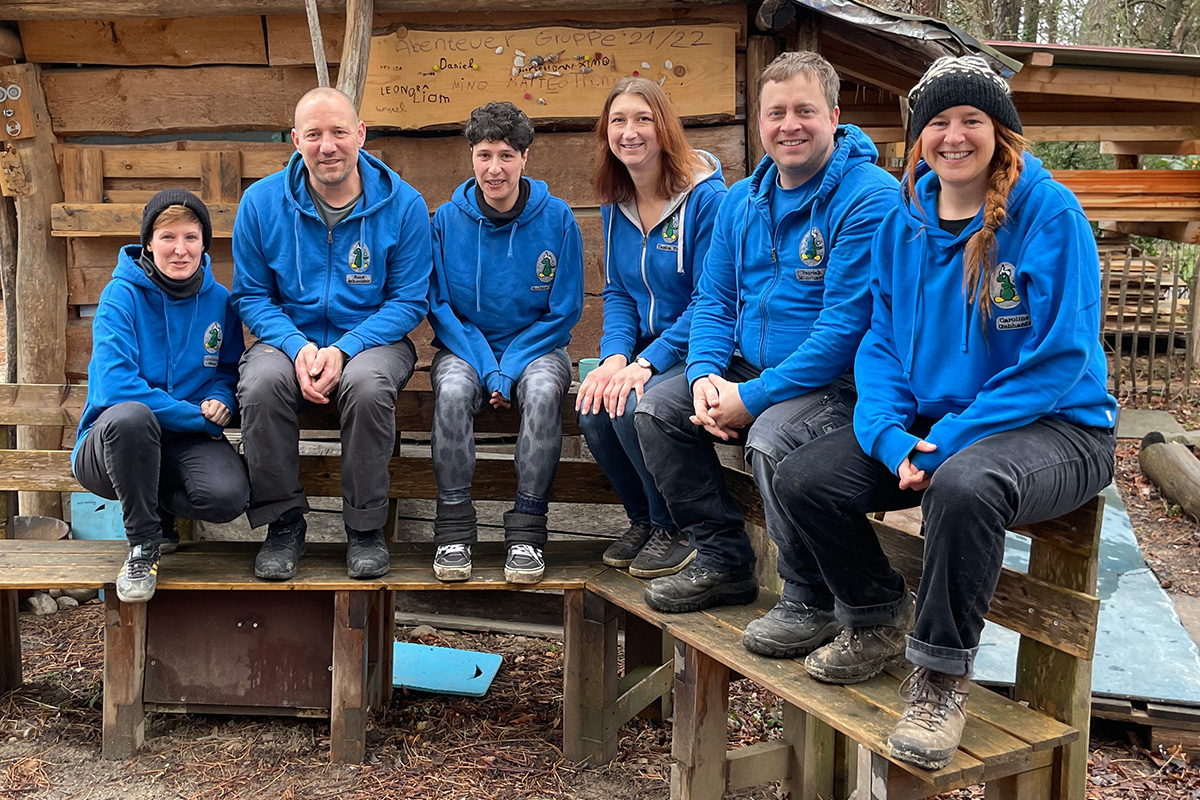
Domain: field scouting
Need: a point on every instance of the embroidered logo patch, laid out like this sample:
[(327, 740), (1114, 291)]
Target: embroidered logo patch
[(1003, 286), (812, 248), (671, 229), (212, 343), (547, 265), (360, 258)]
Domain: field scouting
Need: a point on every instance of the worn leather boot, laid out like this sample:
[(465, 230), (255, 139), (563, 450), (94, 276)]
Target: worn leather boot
[(857, 654), (931, 726), (280, 554), (790, 630), (366, 554)]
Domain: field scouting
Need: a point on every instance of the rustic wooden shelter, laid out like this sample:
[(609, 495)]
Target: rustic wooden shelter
[(104, 103)]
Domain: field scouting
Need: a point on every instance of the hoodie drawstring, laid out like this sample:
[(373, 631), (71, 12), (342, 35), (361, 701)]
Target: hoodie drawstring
[(608, 245), (679, 234), (296, 248), (479, 264), (511, 236)]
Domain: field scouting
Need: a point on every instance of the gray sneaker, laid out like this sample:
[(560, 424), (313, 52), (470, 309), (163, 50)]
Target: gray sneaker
[(138, 575), (857, 654), (790, 630), (931, 726), (452, 562), (666, 553), (367, 554), (623, 551), (524, 564)]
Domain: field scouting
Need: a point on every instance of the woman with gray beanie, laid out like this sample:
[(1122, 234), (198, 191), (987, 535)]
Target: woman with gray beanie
[(982, 399), (165, 350)]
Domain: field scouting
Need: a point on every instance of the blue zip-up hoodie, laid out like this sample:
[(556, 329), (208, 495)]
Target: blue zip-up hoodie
[(169, 354), (793, 301), (649, 279), (502, 296), (361, 285), (928, 353)]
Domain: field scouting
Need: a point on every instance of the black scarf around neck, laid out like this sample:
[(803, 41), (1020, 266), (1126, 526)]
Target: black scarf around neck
[(174, 289)]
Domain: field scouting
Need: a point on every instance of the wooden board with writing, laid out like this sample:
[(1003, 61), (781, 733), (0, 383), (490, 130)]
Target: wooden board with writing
[(419, 79)]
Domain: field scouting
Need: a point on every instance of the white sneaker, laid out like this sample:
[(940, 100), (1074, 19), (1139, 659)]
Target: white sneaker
[(524, 564), (452, 562)]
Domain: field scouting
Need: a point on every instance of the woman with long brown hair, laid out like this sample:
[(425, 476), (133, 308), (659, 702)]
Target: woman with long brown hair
[(982, 398), (659, 200)]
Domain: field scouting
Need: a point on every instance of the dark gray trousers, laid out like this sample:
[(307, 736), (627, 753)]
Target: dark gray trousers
[(270, 399), (1029, 474), (128, 457)]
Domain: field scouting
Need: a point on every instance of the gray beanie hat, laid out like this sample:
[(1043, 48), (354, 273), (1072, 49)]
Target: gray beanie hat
[(176, 197)]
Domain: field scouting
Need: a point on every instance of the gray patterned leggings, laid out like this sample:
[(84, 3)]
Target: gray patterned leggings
[(458, 396)]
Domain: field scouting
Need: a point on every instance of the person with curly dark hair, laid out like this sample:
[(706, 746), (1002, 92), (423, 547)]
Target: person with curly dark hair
[(506, 289)]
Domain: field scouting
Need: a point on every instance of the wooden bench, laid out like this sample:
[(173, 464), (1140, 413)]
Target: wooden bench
[(318, 645), (834, 742)]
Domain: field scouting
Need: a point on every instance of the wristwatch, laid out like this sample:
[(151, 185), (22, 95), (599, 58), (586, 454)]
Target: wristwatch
[(642, 361)]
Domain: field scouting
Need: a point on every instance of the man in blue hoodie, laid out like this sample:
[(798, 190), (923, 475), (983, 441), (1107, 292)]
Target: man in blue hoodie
[(332, 262), (781, 307)]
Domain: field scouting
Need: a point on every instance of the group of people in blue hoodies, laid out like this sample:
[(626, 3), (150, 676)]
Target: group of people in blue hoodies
[(876, 345)]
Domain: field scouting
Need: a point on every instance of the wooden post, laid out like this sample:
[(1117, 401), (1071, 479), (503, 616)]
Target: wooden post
[(808, 31), (318, 42), (1053, 681), (760, 51), (812, 743), (348, 703), (589, 677), (872, 775), (386, 656), (699, 738), (8, 285), (41, 271), (10, 630), (124, 672), (356, 49)]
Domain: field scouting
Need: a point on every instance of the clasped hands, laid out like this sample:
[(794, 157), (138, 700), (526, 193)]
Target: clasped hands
[(319, 370)]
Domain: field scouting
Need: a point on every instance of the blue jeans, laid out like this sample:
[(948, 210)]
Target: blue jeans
[(614, 444), (1029, 474), (681, 457)]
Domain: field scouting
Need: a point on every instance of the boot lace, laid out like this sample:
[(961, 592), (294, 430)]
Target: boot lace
[(634, 535), (140, 562), (931, 697)]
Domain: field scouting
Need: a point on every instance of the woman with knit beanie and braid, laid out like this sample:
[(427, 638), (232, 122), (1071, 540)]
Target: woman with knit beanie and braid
[(982, 398), (165, 350)]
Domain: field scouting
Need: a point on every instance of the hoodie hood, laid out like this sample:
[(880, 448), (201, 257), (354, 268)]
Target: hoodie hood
[(851, 148), (128, 269), (709, 169), (377, 180)]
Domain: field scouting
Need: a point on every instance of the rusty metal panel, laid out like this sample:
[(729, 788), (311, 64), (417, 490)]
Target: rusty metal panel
[(257, 649)]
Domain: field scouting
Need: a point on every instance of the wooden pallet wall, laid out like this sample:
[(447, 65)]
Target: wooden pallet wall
[(136, 77)]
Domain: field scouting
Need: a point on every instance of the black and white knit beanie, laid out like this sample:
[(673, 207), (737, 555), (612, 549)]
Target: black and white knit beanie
[(963, 81), (176, 197)]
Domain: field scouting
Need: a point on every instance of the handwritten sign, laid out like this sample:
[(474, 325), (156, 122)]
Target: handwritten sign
[(417, 79)]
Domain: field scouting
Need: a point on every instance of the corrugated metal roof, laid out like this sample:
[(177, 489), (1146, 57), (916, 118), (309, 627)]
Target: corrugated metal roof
[(927, 36)]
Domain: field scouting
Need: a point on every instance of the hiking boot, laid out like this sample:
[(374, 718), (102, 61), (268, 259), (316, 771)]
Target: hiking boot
[(280, 554), (139, 573), (623, 551), (524, 564), (857, 654), (694, 588), (452, 562), (366, 554), (666, 553), (790, 630), (931, 726)]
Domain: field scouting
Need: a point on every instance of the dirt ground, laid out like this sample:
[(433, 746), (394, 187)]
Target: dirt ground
[(504, 745)]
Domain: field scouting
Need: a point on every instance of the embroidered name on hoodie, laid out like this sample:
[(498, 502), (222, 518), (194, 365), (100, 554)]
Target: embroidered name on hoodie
[(360, 262), (810, 274), (212, 344), (1013, 322)]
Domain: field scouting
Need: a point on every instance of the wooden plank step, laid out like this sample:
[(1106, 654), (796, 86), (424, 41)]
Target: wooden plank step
[(201, 566)]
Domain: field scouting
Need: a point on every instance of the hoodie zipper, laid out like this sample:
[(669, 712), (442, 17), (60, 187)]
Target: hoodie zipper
[(646, 281), (762, 303), (328, 279)]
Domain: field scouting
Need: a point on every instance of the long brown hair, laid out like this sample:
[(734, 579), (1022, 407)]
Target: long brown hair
[(611, 179), (979, 256)]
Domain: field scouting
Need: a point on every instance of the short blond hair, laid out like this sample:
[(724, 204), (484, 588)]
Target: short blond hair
[(176, 213), (789, 65)]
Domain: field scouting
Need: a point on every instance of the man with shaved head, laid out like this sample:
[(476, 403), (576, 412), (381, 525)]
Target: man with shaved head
[(332, 258)]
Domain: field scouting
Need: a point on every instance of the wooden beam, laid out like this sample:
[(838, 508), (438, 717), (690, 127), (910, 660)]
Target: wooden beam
[(1186, 232), (760, 51), (698, 742), (164, 42), (589, 676), (112, 9), (1190, 147), (124, 726), (757, 764), (318, 42), (356, 50), (1041, 58), (1126, 138), (41, 271), (10, 45), (1107, 83), (348, 703)]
